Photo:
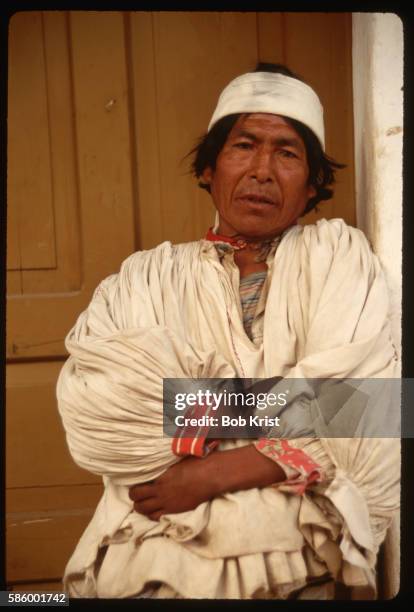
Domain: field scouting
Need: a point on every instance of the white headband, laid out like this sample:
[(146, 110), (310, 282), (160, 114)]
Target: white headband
[(270, 92)]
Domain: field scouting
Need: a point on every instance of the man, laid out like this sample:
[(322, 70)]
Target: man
[(260, 297)]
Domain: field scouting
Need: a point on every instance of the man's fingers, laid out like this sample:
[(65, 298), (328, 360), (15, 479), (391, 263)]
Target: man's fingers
[(148, 506), (155, 516), (140, 492)]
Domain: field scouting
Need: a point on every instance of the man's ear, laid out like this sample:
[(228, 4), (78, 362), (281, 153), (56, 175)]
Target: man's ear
[(207, 175)]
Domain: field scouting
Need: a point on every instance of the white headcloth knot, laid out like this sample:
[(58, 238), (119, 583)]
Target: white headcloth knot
[(269, 92)]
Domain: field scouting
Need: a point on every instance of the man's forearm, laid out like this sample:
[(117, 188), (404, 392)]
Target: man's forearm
[(193, 481)]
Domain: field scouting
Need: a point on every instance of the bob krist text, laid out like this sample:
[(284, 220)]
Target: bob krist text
[(226, 421)]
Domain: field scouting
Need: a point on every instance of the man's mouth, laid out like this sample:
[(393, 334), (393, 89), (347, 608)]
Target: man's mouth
[(257, 198)]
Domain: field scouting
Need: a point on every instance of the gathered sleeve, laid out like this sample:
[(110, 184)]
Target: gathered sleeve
[(110, 390)]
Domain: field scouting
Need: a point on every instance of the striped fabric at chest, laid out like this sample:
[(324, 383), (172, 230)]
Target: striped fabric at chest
[(250, 290)]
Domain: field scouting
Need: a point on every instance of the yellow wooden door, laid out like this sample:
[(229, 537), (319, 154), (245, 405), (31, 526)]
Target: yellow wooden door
[(103, 107), (70, 224)]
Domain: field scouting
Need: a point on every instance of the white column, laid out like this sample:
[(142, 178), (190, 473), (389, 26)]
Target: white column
[(378, 116), (377, 51)]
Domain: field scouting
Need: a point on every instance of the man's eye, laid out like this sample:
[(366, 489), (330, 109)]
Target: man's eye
[(287, 153), (243, 145)]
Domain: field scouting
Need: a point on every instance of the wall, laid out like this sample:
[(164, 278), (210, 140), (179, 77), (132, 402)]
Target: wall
[(378, 119)]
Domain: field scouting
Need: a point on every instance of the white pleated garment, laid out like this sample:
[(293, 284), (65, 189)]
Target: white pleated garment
[(174, 311)]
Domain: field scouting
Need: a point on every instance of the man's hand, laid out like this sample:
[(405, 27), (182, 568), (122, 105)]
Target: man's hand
[(182, 487), (193, 481)]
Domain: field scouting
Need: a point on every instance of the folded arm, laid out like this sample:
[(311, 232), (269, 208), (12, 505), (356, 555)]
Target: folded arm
[(193, 481)]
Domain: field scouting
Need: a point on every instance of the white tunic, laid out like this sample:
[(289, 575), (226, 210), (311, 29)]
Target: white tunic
[(174, 311)]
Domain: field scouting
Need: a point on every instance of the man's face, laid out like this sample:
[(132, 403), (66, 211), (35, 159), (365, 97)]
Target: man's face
[(260, 183)]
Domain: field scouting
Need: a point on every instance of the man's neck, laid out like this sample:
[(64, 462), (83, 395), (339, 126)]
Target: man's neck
[(245, 260), (250, 254)]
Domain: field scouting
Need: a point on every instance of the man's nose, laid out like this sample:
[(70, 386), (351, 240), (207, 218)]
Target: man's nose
[(262, 167)]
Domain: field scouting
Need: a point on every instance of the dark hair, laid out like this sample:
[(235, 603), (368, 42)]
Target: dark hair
[(321, 167)]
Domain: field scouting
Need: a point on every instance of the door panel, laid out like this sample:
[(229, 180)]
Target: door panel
[(75, 218), (30, 153), (42, 525)]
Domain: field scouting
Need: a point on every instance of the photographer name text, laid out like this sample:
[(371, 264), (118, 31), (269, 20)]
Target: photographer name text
[(226, 421)]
